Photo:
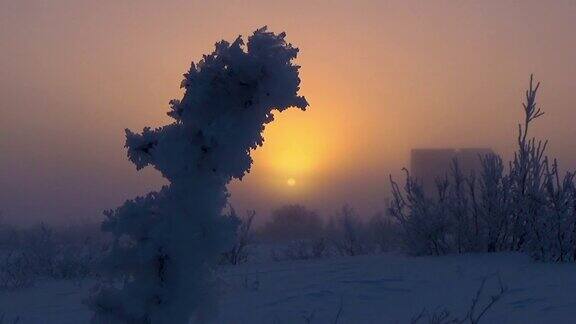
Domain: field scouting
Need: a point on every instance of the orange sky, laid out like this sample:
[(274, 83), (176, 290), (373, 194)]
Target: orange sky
[(381, 77)]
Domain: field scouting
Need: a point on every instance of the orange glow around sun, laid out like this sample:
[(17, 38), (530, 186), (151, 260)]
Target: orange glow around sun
[(299, 152), (295, 148)]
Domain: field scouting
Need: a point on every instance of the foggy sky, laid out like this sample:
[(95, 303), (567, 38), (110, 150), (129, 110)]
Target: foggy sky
[(381, 77)]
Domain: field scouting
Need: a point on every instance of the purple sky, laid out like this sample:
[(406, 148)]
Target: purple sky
[(381, 77)]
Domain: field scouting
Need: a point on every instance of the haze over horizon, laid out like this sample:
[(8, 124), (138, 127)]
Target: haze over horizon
[(381, 78)]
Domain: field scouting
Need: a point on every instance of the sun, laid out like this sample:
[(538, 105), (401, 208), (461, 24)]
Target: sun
[(291, 182)]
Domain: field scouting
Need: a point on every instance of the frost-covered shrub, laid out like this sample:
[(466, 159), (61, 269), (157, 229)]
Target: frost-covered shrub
[(41, 247), (166, 242), (348, 233), (292, 223), (528, 207), (491, 194), (79, 260), (239, 252), (383, 232), (16, 271), (536, 201), (425, 225), (550, 218), (40, 252)]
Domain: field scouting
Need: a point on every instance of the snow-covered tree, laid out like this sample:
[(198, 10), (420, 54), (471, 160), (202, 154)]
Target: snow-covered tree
[(166, 242)]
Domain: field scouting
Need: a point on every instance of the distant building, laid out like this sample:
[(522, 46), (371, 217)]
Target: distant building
[(427, 165)]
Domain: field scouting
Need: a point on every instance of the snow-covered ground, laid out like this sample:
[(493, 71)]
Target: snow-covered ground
[(366, 289)]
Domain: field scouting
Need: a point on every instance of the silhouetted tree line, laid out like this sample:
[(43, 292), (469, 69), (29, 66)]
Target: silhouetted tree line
[(301, 233)]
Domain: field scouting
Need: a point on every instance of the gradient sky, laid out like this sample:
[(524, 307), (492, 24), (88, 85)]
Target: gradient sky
[(381, 77)]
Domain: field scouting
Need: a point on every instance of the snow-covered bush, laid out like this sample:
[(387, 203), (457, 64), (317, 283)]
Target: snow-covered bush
[(491, 193), (348, 233), (425, 225), (78, 261), (40, 252), (15, 271), (239, 252), (383, 232), (42, 248), (529, 207), (166, 242)]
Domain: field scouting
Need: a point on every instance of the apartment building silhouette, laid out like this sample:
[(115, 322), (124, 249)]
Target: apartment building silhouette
[(426, 165)]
